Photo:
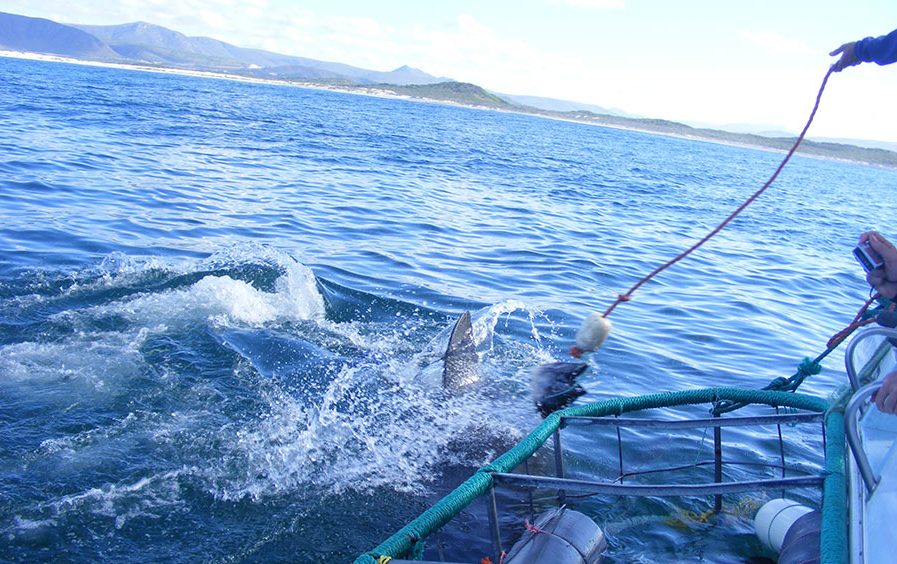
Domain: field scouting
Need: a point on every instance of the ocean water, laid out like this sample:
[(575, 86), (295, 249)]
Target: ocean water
[(222, 305)]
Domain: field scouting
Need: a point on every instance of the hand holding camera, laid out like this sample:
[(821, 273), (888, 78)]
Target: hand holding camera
[(878, 256), (867, 257)]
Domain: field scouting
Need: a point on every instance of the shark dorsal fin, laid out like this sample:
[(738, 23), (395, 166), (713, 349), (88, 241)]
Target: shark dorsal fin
[(460, 368)]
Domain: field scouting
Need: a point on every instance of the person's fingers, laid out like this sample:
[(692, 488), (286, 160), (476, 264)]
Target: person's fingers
[(878, 280), (888, 253), (848, 57), (889, 403), (881, 245), (888, 290), (885, 399)]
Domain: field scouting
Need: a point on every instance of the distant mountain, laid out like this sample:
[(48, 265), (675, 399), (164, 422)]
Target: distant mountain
[(37, 35), (555, 105), (155, 44), (405, 75), (765, 130), (817, 148), (308, 69), (157, 37), (149, 44)]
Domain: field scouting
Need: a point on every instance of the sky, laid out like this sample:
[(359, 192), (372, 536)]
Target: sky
[(718, 63)]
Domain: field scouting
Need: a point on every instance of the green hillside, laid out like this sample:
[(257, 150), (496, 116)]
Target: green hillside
[(457, 92), (842, 151)]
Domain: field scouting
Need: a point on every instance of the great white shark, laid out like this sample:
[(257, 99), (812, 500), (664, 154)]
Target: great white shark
[(553, 385)]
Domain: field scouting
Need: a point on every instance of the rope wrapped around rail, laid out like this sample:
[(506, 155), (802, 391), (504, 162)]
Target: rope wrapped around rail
[(809, 367)]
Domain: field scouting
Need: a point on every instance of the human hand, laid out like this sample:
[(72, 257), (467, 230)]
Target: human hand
[(883, 279), (848, 56), (886, 397)]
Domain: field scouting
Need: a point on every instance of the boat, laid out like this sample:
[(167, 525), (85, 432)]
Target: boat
[(828, 500), (872, 470), (544, 506)]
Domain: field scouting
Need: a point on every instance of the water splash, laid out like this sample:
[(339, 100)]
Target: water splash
[(227, 374), (382, 421)]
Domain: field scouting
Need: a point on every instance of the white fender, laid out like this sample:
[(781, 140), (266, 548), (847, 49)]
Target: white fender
[(775, 518)]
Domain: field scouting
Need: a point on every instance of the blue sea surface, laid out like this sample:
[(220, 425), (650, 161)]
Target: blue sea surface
[(223, 305)]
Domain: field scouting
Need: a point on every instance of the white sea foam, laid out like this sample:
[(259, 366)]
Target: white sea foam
[(396, 443), (96, 360), (26, 527), (153, 497), (225, 301)]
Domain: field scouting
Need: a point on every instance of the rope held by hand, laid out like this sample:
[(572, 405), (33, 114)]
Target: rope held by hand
[(628, 295), (595, 328)]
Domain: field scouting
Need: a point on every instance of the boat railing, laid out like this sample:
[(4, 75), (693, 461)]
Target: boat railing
[(871, 368), (852, 414), (860, 378)]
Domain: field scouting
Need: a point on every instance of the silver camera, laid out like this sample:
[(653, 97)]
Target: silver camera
[(867, 257)]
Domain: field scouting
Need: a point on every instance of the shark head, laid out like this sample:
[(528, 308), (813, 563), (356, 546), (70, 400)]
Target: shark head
[(554, 385)]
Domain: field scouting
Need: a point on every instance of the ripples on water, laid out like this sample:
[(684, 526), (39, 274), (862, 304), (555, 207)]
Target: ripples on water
[(222, 304)]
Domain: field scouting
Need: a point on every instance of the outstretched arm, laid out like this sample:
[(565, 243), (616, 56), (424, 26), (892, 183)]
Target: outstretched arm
[(881, 50)]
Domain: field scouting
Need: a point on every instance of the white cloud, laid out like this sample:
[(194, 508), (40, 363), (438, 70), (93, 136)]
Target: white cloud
[(463, 48), (470, 51), (594, 4), (364, 27), (776, 43)]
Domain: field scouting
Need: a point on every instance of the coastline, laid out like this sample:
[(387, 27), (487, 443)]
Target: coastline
[(199, 74), (388, 94), (356, 90)]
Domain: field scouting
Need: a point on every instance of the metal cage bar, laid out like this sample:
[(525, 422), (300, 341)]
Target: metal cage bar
[(661, 490)]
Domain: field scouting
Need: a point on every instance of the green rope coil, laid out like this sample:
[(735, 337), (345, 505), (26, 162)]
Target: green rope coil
[(833, 538), (808, 367)]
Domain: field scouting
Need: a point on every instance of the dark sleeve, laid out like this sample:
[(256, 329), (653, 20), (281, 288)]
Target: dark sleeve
[(881, 50)]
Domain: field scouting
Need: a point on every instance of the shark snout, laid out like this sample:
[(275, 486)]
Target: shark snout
[(554, 385)]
